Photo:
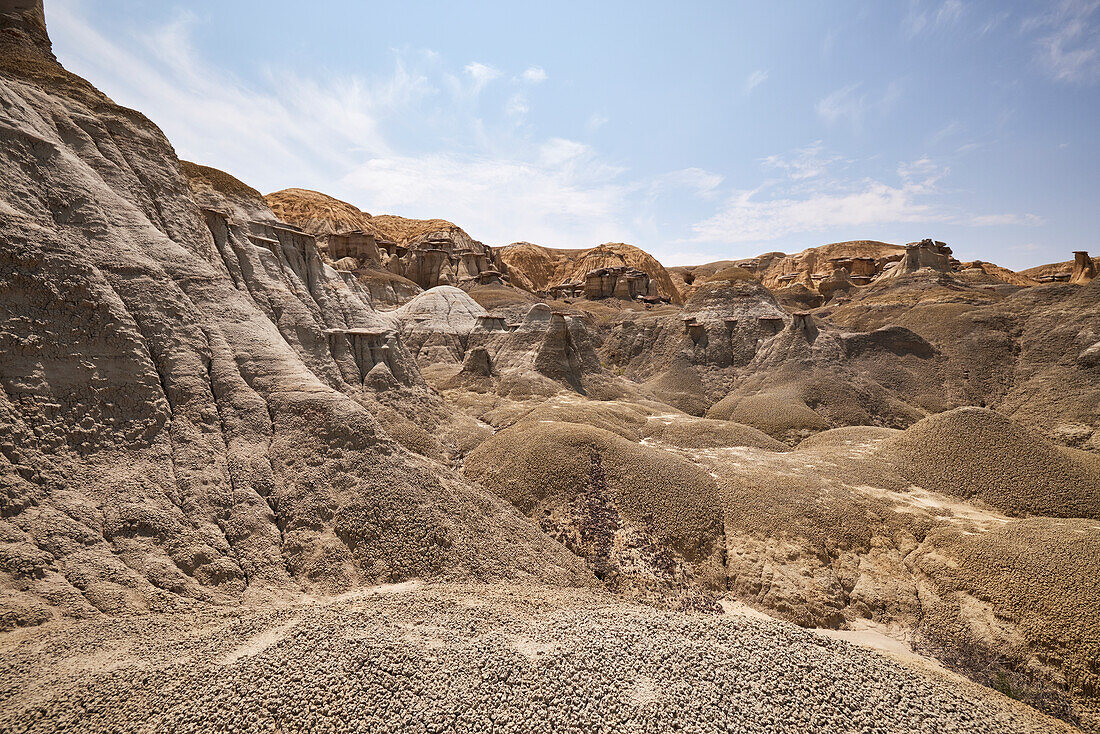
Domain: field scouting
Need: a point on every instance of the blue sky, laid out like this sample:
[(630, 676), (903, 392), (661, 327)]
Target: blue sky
[(698, 131)]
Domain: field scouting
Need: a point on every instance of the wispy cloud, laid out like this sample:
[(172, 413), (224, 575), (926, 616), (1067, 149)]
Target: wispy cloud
[(561, 195), (517, 107), (949, 130), (482, 74), (814, 195), (749, 216), (534, 74), (349, 135), (927, 16), (755, 79), (853, 105), (596, 121), (1006, 220), (1068, 40), (803, 163)]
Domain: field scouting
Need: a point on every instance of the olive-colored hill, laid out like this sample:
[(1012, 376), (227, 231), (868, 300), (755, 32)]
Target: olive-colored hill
[(646, 520), (977, 453)]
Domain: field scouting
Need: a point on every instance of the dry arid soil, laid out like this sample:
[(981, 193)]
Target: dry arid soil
[(274, 463)]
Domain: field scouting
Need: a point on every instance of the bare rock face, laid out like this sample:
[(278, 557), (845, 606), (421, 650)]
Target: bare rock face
[(1063, 272), (546, 352), (427, 252), (436, 324), (182, 417), (347, 236), (861, 259), (478, 363), (721, 326), (612, 270), (839, 281)]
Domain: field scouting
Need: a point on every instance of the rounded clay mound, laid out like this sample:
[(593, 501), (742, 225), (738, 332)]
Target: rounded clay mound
[(538, 464), (706, 433), (847, 436), (443, 309), (625, 419), (781, 414), (974, 452)]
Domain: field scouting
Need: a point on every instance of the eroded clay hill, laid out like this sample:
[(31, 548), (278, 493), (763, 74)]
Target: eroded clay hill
[(423, 253), (276, 463), (184, 414), (610, 270)]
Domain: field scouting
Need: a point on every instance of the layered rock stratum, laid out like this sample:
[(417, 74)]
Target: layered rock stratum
[(278, 464)]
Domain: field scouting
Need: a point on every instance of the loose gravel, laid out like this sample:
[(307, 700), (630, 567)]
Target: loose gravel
[(417, 658)]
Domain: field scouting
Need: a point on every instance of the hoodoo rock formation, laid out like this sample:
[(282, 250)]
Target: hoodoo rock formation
[(278, 464), (1084, 269), (926, 254)]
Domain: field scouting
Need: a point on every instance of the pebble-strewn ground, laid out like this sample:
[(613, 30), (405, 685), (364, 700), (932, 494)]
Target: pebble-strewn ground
[(472, 659)]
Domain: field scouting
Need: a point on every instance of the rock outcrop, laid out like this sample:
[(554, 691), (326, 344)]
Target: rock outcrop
[(610, 270), (862, 260), (204, 405), (1063, 271), (178, 424), (924, 255), (428, 252), (1084, 269)]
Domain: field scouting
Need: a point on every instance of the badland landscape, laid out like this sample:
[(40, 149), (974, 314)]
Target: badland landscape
[(274, 463)]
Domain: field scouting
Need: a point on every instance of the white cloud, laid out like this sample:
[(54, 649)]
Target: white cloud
[(291, 123), (1068, 44), (755, 79), (699, 182), (350, 135), (747, 217), (482, 74), (517, 107), (562, 197), (814, 196), (534, 74), (922, 175)]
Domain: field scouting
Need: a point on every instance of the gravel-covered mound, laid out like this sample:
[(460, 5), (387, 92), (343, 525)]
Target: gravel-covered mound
[(626, 419), (782, 414), (647, 521), (1038, 574), (973, 452), (533, 463), (458, 659), (845, 437), (705, 433)]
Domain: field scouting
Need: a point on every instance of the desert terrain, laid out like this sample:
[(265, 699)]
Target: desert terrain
[(274, 463)]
